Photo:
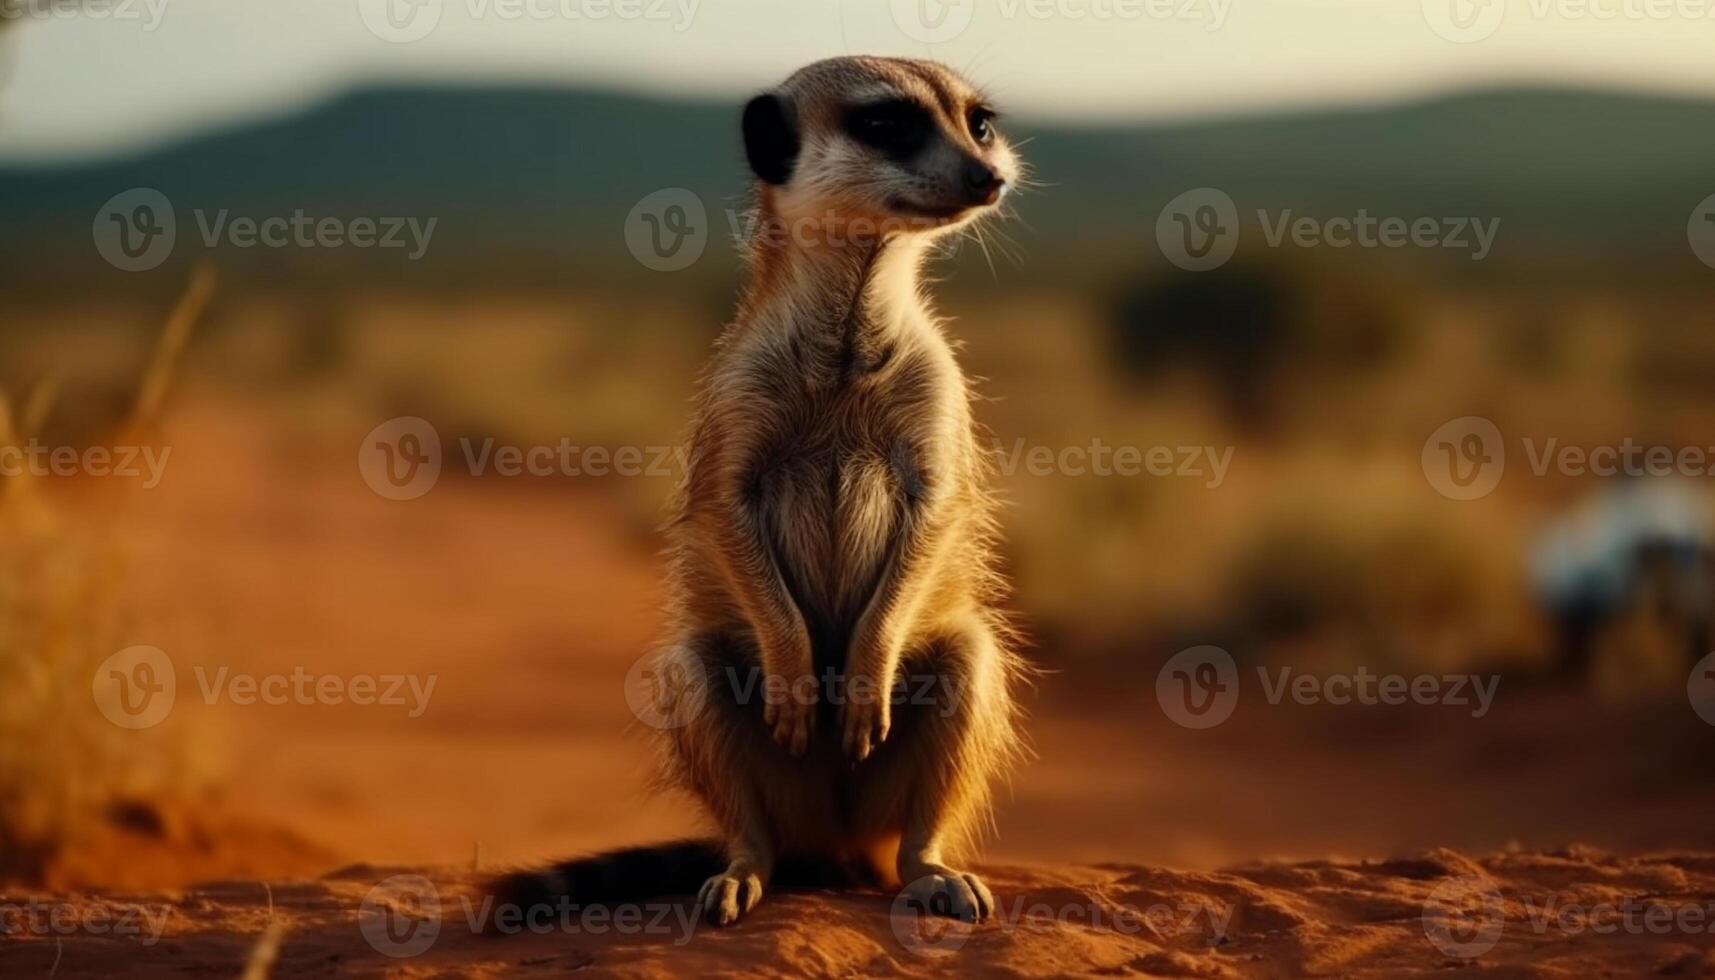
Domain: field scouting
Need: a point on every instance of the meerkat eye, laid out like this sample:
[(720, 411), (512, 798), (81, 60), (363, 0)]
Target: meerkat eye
[(981, 120), (897, 127)]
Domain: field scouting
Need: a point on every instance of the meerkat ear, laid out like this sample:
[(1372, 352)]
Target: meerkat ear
[(770, 138)]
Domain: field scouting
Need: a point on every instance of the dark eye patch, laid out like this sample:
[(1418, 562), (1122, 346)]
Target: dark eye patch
[(896, 127)]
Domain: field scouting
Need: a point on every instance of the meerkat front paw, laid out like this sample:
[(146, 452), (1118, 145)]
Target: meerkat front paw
[(789, 711), (728, 896), (865, 722)]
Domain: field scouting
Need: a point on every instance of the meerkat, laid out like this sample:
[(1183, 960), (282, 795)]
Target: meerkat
[(834, 593)]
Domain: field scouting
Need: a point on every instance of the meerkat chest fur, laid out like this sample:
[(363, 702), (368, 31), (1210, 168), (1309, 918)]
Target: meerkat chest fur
[(861, 407)]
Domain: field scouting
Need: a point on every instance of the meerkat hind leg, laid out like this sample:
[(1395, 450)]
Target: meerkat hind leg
[(730, 895), (955, 894), (945, 784)]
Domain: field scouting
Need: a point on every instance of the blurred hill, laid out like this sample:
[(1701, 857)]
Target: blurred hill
[(534, 185)]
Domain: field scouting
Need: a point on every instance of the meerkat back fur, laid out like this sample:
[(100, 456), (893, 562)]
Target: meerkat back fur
[(847, 677)]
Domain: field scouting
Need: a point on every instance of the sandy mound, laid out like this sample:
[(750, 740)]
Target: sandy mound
[(1570, 914)]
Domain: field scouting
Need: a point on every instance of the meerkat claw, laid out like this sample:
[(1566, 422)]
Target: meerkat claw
[(866, 727)]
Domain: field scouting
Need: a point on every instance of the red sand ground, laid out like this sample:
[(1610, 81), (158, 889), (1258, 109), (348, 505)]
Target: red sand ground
[(1570, 915), (529, 603)]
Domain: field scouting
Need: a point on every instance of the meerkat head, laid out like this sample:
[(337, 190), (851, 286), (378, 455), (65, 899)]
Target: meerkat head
[(901, 145)]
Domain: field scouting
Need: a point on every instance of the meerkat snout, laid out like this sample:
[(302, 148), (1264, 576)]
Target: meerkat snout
[(909, 143), (982, 184)]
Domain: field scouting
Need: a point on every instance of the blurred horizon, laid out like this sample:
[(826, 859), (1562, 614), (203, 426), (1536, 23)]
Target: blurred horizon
[(78, 86), (17, 153), (517, 198)]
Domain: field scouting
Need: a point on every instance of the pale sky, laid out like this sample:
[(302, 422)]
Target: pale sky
[(132, 73)]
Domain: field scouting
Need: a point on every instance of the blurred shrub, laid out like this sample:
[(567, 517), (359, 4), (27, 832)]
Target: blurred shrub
[(64, 768), (1243, 324), (1377, 583)]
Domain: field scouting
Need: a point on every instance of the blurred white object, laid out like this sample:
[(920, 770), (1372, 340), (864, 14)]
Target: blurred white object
[(1637, 554)]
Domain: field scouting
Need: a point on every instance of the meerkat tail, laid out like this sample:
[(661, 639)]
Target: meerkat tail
[(629, 875)]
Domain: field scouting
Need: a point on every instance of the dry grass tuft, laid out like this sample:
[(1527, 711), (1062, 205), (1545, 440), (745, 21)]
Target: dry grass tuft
[(63, 611)]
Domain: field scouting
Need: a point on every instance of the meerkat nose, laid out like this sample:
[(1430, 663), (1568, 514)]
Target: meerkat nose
[(981, 182)]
